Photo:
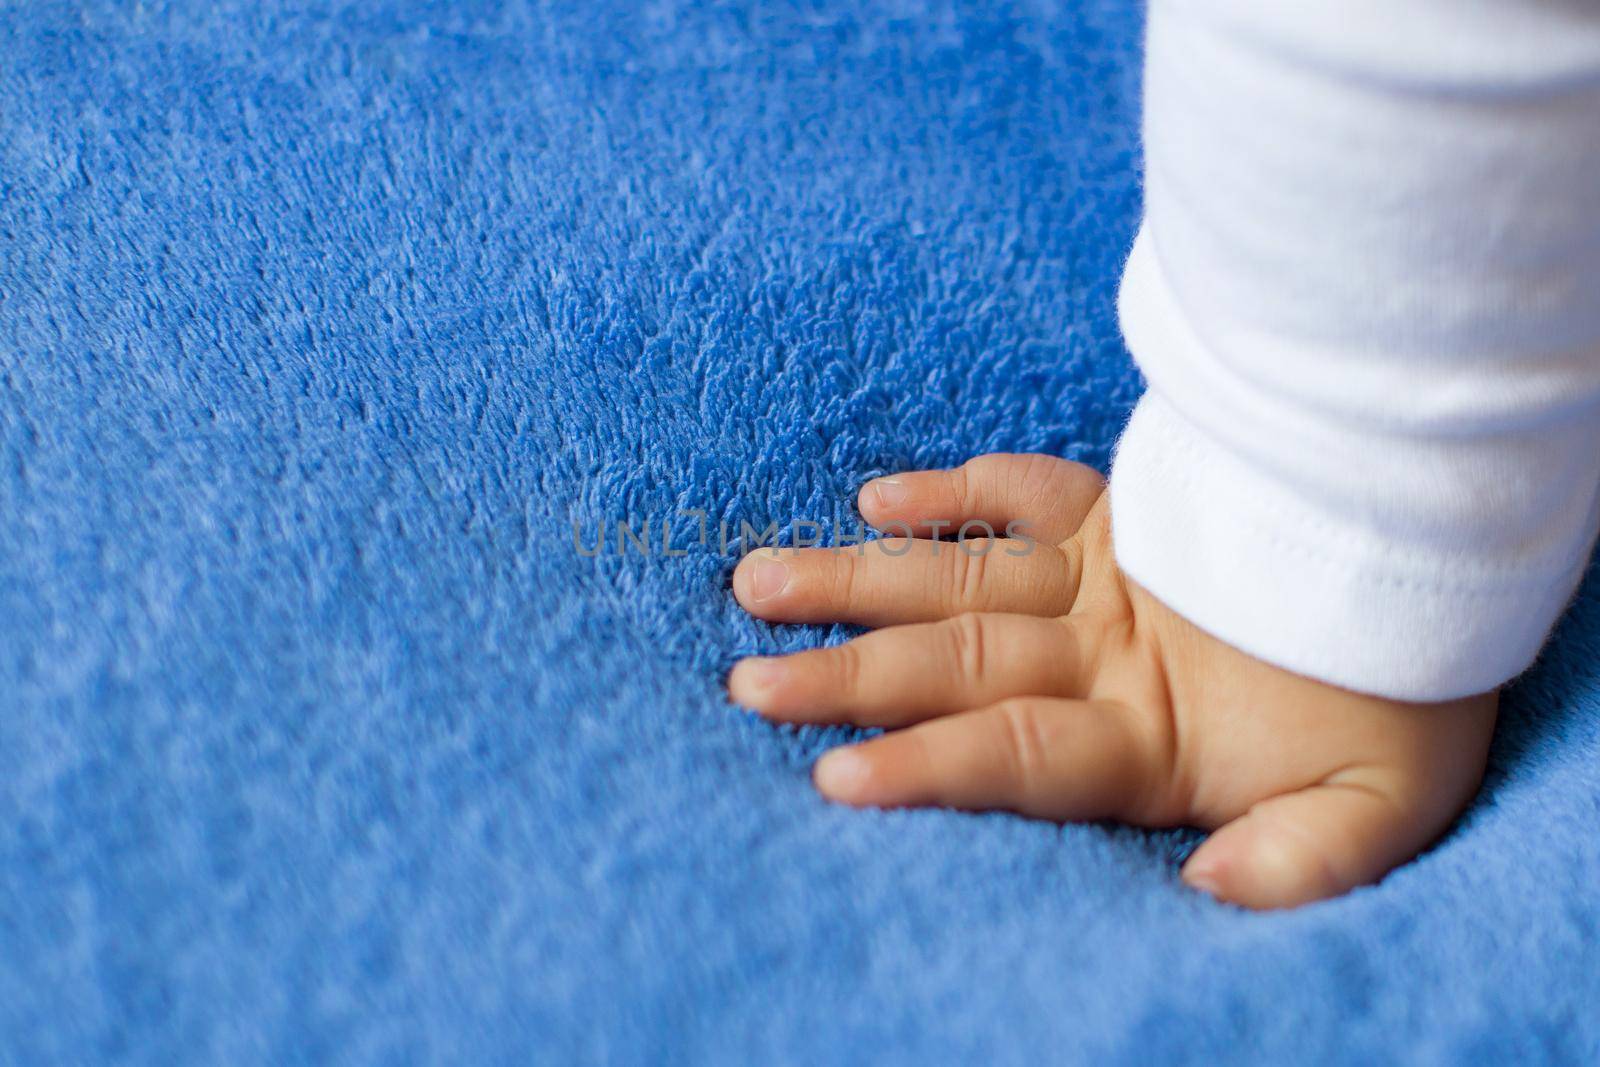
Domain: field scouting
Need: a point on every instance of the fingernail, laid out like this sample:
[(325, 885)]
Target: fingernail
[(768, 578), (889, 491), (755, 675), (841, 772)]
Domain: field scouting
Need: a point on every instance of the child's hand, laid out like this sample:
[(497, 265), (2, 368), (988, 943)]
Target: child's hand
[(1046, 683)]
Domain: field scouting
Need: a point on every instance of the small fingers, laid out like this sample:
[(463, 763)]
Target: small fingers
[(1054, 759), (1310, 845), (897, 580), (904, 674), (1047, 495)]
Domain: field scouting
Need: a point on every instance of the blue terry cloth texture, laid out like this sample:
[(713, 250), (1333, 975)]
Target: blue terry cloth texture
[(322, 326)]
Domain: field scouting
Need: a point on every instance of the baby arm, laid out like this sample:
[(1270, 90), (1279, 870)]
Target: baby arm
[(1360, 488)]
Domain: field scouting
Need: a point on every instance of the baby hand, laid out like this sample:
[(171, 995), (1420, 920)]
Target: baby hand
[(1042, 680)]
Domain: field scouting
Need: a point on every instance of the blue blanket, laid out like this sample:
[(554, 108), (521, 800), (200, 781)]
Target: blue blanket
[(333, 337)]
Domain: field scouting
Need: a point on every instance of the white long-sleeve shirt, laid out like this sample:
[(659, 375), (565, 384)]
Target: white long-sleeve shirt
[(1366, 298)]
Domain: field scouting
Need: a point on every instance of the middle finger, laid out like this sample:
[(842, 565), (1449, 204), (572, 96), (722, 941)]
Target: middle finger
[(905, 674)]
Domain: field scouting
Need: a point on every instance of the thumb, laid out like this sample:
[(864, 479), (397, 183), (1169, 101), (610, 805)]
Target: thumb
[(1316, 843)]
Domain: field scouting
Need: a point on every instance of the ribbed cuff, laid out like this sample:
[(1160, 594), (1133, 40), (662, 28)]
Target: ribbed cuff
[(1242, 558)]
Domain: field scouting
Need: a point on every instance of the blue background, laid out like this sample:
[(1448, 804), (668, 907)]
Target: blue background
[(320, 327)]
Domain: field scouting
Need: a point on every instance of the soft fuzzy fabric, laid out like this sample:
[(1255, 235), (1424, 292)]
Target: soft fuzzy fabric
[(320, 327)]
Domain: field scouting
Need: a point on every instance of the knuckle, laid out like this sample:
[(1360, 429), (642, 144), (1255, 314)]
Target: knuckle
[(966, 574), (846, 578), (843, 667), (969, 644), (1294, 858), (1037, 475), (1043, 481), (1070, 471), (961, 484), (1024, 741)]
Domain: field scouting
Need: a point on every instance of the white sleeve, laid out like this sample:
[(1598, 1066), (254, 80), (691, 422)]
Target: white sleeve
[(1366, 299)]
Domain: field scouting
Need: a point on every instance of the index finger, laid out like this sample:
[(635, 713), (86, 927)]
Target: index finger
[(1047, 495)]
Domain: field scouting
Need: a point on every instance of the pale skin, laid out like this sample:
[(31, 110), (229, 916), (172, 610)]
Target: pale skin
[(1043, 681)]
